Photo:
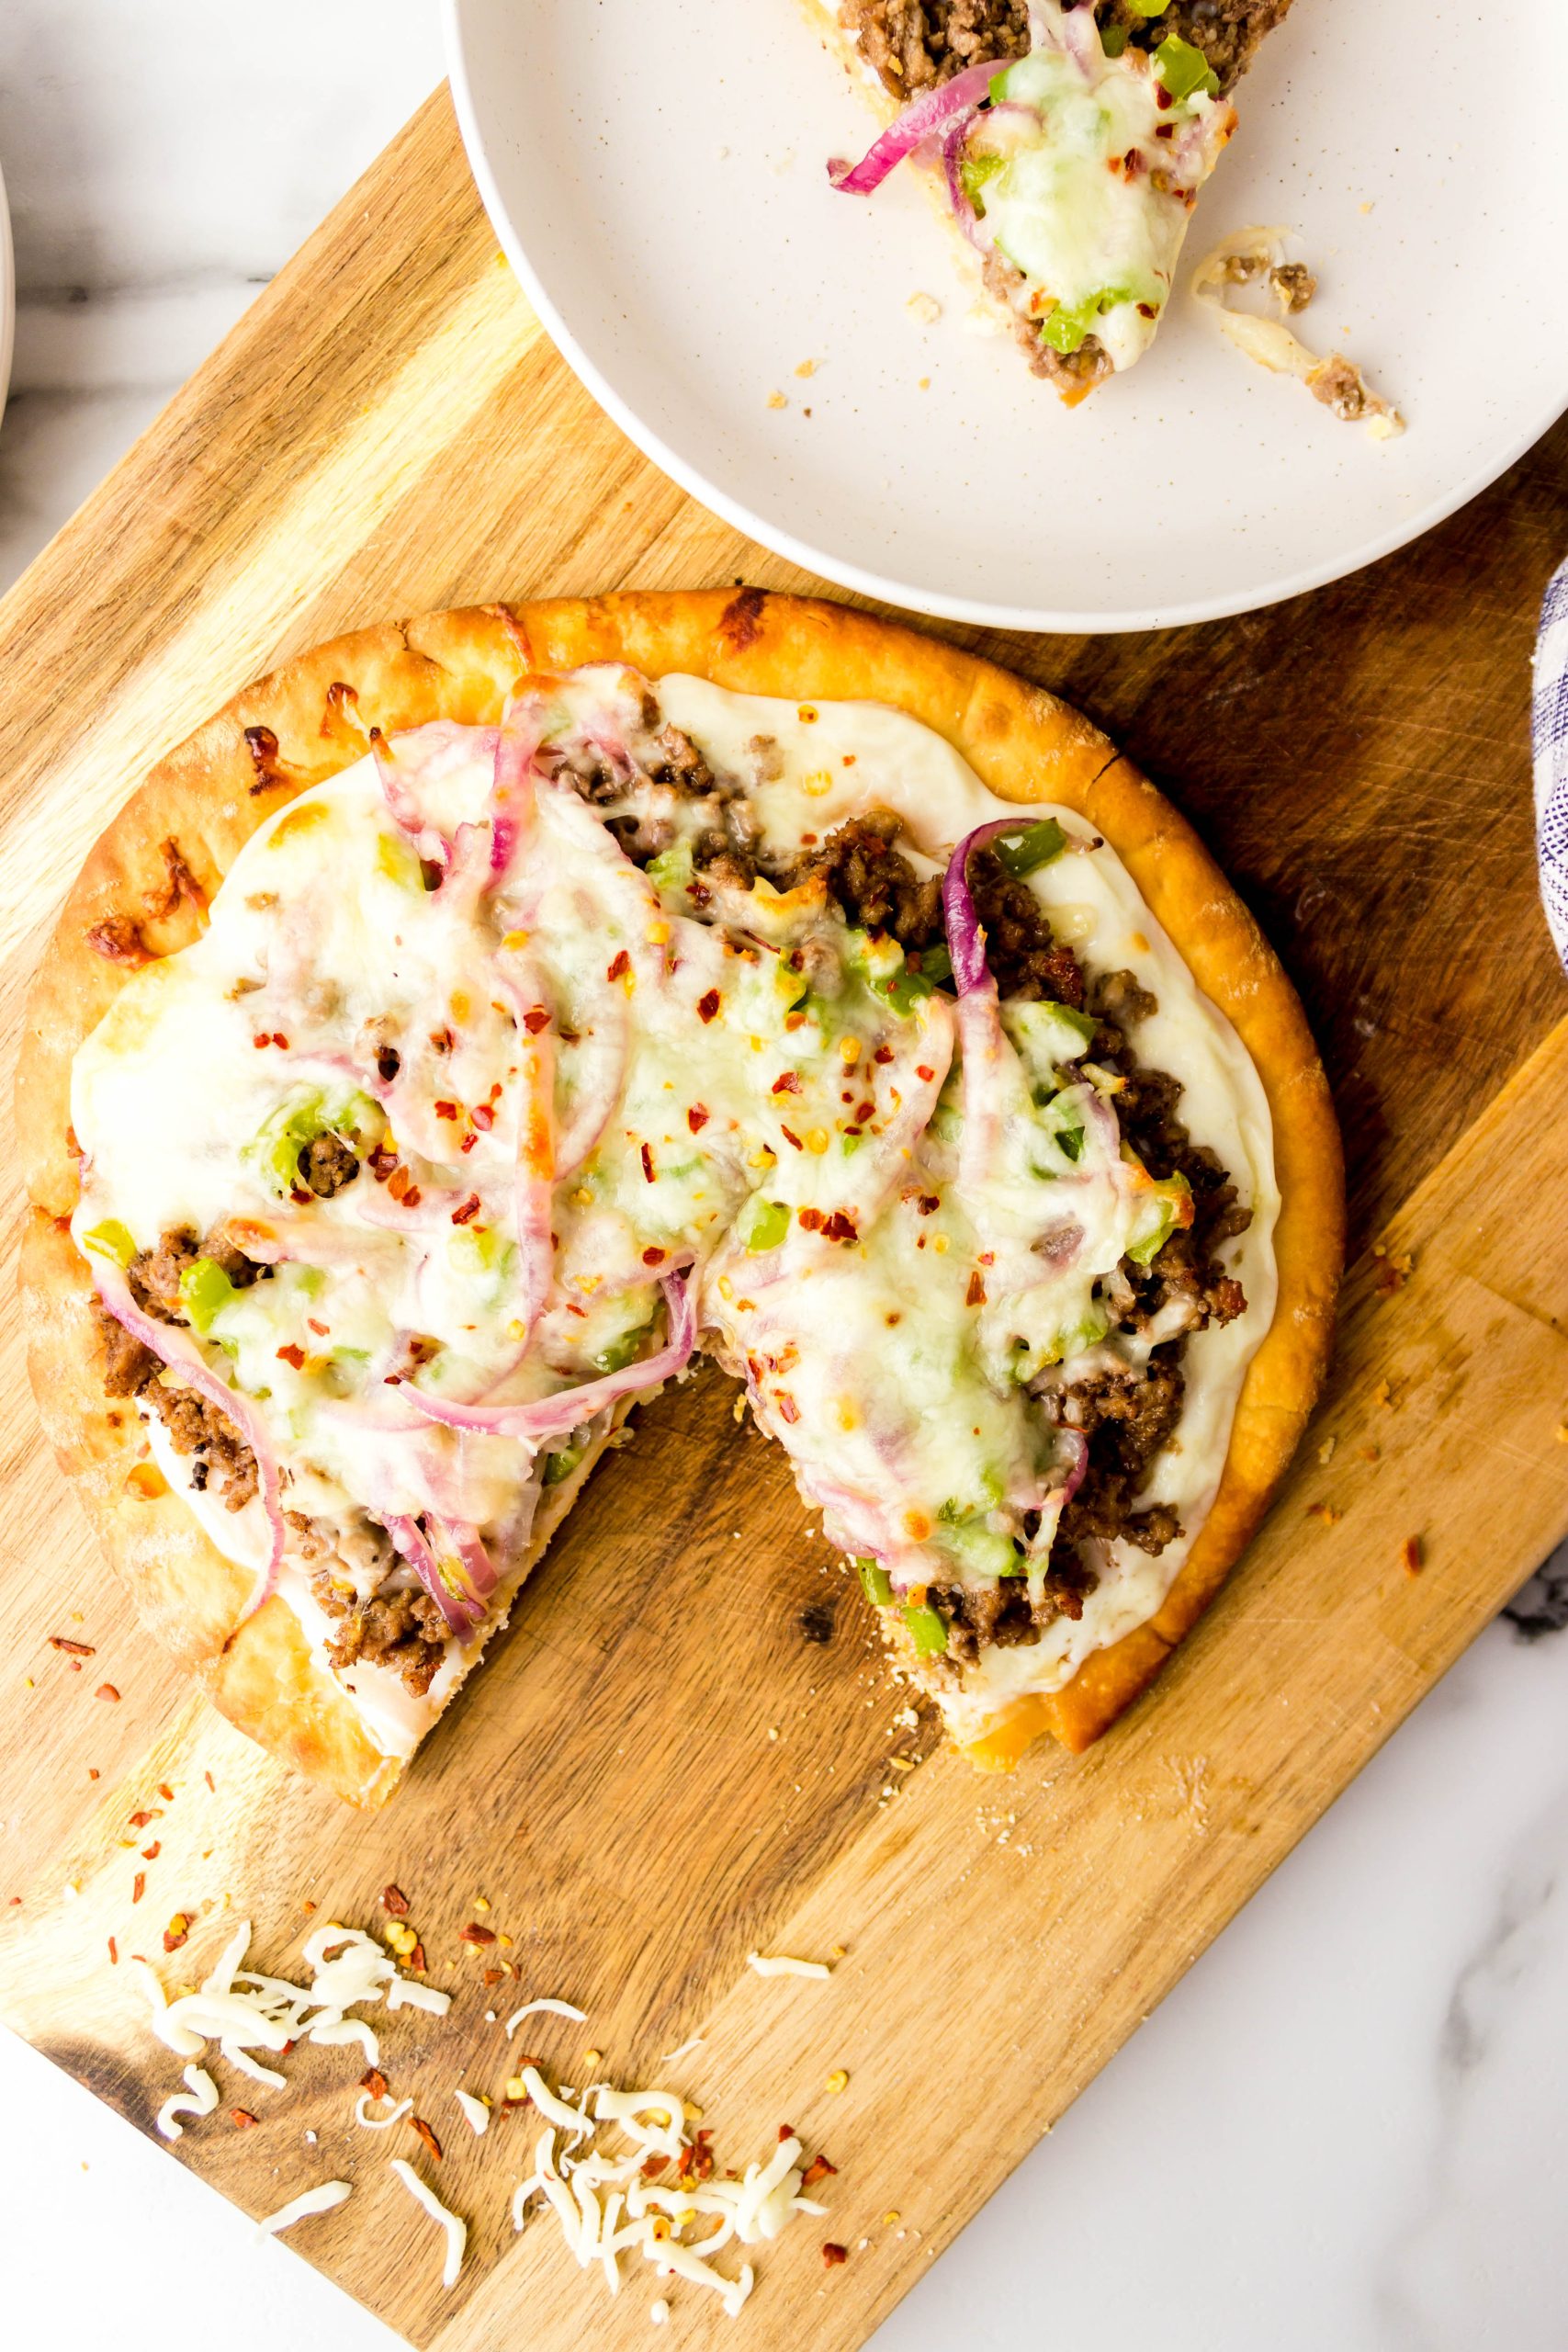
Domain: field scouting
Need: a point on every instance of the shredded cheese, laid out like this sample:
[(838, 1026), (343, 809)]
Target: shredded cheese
[(379, 2122), (475, 2110), (242, 2011), (609, 2202), (203, 2098), (320, 2200), (780, 1964), (554, 2008), (456, 2228)]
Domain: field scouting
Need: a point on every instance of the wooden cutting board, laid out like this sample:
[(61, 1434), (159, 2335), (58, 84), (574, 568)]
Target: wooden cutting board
[(684, 1749)]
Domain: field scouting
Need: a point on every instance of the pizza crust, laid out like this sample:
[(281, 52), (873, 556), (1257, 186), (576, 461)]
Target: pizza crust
[(310, 719)]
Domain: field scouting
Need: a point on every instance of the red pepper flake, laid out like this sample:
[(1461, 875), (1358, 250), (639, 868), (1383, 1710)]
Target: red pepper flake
[(71, 1649), (707, 1006), (322, 1330), (1413, 1556), (928, 1204), (151, 1853), (467, 1143), (211, 1782), (114, 1953), (921, 1070), (790, 1137), (653, 2165), (976, 1294), (788, 1410), (789, 1083), (374, 2081), (810, 1220), (833, 2254), (700, 2163), (262, 1039), (841, 1227), (177, 1932), (465, 1211), (493, 1977), (106, 1690), (417, 1961), (93, 1772), (140, 1820), (883, 1053), (242, 2119), (412, 1197), (818, 2169), (787, 2132), (697, 1117), (292, 1353), (445, 1110), (381, 1163), (483, 1118), (648, 1163), (619, 965), (653, 1255), (139, 1886), (165, 1792), (280, 1041), (473, 1934), (537, 1018), (443, 1040), (417, 2123), (394, 1903), (398, 1181)]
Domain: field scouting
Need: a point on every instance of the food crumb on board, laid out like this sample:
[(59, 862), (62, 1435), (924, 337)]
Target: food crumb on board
[(777, 400), (808, 367), (924, 307), (1413, 1556), (1326, 1450)]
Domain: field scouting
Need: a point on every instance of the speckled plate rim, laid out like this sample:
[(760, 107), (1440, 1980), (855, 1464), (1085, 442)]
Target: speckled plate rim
[(1043, 620)]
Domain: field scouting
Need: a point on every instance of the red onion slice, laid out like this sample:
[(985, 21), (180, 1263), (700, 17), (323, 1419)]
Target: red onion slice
[(461, 1615), (928, 116), (549, 1417), (175, 1348), (600, 1060), (406, 813)]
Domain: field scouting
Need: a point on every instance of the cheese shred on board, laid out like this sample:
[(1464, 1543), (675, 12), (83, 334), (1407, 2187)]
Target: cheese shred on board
[(242, 2011), (610, 2197), (456, 2228)]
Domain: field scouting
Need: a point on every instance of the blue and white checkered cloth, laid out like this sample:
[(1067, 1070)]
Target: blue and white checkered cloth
[(1550, 725)]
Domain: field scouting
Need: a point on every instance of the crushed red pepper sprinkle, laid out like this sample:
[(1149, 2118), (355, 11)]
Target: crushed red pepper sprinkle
[(394, 1902), (374, 2081), (1413, 1554), (106, 1690), (71, 1649), (473, 1934), (833, 2254), (242, 2119), (417, 2123), (139, 1886), (114, 1953)]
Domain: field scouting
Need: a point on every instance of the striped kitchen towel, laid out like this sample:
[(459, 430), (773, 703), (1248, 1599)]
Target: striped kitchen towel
[(1550, 731)]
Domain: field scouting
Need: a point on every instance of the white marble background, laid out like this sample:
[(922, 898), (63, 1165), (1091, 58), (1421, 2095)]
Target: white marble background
[(1346, 2129)]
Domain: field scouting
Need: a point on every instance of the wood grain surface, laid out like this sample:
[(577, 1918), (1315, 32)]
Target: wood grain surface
[(388, 431)]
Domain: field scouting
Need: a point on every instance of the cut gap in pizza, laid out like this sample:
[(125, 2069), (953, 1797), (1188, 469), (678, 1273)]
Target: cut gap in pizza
[(1067, 144), (479, 1020)]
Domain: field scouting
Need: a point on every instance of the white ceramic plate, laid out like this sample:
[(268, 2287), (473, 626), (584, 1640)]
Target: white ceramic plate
[(656, 176)]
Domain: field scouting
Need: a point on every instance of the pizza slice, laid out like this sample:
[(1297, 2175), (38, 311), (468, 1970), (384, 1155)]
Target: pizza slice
[(1067, 142), (478, 1019)]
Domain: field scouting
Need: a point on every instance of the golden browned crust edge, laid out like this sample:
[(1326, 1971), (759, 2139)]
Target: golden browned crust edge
[(292, 730)]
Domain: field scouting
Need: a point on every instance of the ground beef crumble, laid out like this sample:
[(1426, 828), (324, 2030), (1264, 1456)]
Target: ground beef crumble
[(400, 1629), (912, 44)]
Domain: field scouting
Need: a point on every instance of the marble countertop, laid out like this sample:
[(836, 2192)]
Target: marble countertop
[(1346, 2126)]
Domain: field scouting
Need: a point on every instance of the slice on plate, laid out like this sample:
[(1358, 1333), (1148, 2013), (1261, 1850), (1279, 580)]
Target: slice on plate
[(1067, 143), (479, 1016)]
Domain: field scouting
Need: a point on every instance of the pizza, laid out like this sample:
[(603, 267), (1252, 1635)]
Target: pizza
[(480, 1018), (1066, 140)]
